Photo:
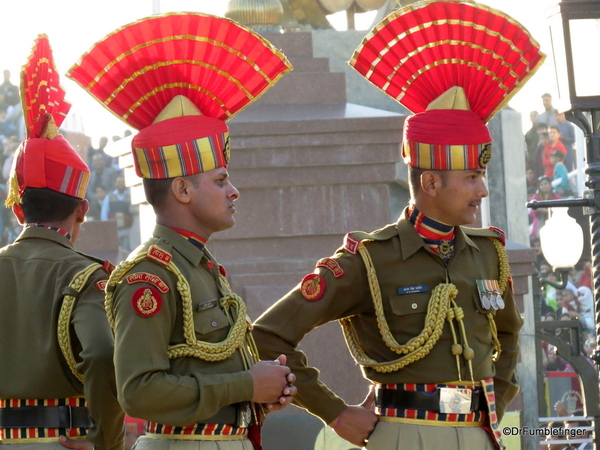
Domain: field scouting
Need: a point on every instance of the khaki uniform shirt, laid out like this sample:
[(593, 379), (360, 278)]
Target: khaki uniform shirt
[(35, 273), (401, 260), (185, 390)]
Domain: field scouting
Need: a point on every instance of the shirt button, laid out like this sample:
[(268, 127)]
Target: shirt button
[(214, 323), (414, 306)]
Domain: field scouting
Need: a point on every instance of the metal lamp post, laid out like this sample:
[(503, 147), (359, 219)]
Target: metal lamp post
[(576, 29)]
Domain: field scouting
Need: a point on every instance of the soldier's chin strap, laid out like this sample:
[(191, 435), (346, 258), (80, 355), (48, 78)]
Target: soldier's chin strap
[(441, 308)]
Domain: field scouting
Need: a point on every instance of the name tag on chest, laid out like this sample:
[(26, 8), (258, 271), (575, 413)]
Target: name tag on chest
[(412, 289)]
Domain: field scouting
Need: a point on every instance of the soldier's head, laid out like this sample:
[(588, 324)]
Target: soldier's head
[(447, 149), (183, 158), (43, 205), (50, 207)]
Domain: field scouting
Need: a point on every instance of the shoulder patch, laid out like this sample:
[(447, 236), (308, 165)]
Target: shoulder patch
[(351, 244), (101, 285), (146, 301), (160, 256), (332, 265), (145, 277), (312, 287)]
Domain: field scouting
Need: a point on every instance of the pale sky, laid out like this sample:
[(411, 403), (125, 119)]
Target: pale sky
[(74, 25)]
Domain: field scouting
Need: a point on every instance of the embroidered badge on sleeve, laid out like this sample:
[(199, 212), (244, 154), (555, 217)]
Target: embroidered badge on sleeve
[(146, 301), (332, 265), (145, 277), (312, 287)]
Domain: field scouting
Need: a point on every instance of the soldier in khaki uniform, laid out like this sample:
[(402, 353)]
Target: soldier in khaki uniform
[(57, 376), (185, 360), (426, 304)]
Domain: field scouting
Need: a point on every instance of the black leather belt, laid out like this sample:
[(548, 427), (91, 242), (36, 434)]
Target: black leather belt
[(427, 401), (45, 417), (238, 414)]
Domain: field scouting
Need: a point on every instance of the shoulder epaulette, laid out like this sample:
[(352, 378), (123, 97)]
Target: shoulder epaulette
[(107, 266), (486, 232), (352, 239)]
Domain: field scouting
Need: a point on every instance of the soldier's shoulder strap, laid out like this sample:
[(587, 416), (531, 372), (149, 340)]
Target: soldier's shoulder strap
[(491, 232), (352, 239)]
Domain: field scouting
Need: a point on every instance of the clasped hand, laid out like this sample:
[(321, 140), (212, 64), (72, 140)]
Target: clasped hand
[(273, 383)]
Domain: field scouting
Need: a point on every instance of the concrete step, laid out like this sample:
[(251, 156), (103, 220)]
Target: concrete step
[(310, 65), (335, 117), (313, 155), (298, 44), (306, 87)]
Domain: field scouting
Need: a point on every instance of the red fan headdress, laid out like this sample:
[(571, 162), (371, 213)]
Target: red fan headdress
[(177, 78), (454, 64), (45, 159)]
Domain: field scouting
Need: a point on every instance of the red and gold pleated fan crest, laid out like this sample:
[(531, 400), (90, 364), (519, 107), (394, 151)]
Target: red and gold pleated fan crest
[(45, 159), (422, 50), (41, 92), (220, 65)]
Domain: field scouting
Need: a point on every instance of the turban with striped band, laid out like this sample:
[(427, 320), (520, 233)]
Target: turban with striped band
[(177, 78), (454, 64)]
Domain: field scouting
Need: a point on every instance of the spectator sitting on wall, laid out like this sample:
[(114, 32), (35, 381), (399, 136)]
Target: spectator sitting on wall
[(101, 175), (99, 205), (550, 148), (567, 137), (537, 165), (570, 302), (119, 210), (9, 92), (586, 307), (549, 115), (563, 188), (92, 152)]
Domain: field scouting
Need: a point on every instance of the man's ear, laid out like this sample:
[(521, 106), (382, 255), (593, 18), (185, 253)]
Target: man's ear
[(180, 189), (82, 210), (430, 183)]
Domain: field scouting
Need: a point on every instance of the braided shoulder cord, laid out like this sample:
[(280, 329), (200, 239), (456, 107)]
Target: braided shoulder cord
[(207, 351), (437, 311), (64, 317), (504, 269), (417, 347), (441, 307)]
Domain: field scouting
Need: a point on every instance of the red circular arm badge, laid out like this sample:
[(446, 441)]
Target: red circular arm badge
[(312, 287), (146, 301)]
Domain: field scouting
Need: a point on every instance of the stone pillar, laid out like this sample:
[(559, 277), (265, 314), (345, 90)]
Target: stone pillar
[(506, 175)]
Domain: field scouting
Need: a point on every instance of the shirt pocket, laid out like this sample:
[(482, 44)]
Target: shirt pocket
[(408, 315), (209, 321), (403, 305)]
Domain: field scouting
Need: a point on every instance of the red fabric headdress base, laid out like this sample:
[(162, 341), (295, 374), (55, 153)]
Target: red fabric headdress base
[(52, 164)]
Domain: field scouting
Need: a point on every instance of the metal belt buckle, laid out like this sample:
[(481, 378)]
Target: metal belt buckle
[(455, 401), (244, 415)]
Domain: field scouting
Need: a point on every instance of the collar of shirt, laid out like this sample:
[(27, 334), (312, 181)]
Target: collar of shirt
[(193, 238), (438, 236), (57, 229)]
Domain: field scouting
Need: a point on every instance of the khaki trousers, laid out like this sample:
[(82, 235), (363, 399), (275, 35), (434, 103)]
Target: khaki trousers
[(146, 443), (394, 436)]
